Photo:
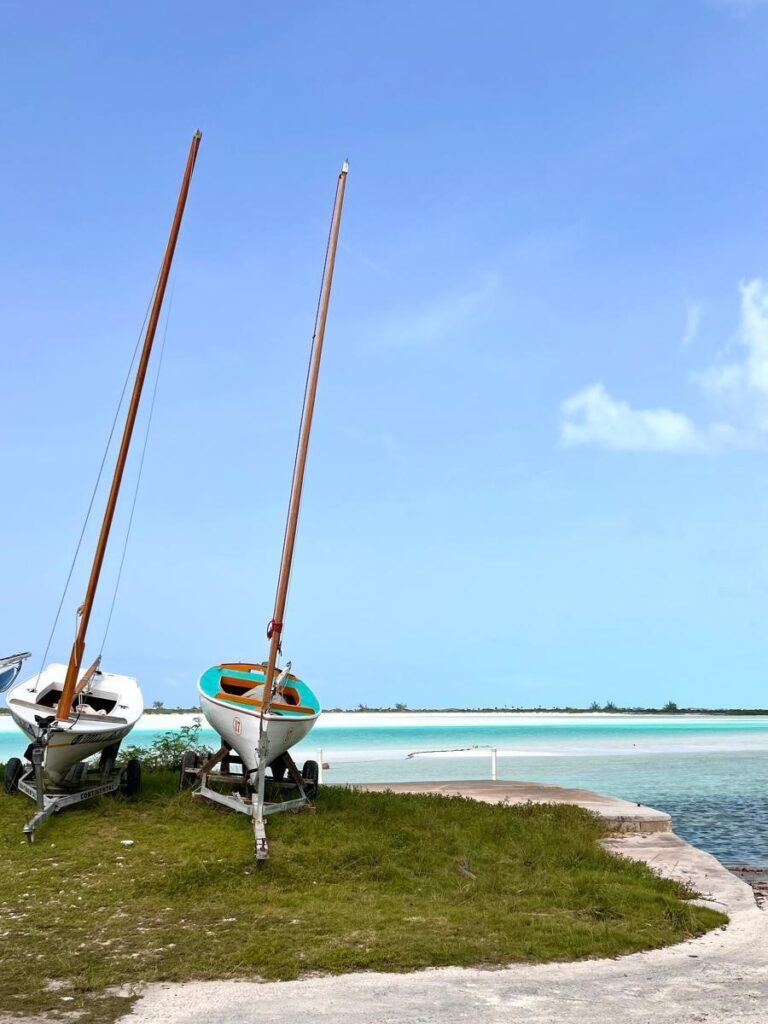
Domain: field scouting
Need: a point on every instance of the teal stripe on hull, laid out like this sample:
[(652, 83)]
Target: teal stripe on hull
[(210, 685)]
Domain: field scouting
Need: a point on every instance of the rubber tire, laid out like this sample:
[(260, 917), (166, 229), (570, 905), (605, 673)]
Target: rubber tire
[(310, 772), (14, 769), (107, 759), (188, 760), (132, 778)]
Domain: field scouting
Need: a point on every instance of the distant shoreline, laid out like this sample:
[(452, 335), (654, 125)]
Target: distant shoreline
[(666, 712), (604, 712), (171, 720)]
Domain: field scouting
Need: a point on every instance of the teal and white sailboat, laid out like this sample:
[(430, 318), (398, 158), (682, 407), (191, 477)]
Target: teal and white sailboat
[(232, 700), (259, 710)]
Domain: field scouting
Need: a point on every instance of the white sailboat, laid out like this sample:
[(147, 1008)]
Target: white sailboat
[(103, 713), (260, 711), (68, 712)]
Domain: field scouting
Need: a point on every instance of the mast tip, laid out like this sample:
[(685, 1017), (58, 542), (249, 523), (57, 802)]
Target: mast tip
[(198, 134), (345, 167)]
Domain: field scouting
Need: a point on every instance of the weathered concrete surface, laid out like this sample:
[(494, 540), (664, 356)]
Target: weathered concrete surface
[(721, 978), (619, 815)]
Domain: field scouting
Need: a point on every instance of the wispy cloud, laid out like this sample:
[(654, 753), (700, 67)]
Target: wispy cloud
[(739, 7), (692, 324), (594, 417), (439, 319), (361, 258), (743, 380)]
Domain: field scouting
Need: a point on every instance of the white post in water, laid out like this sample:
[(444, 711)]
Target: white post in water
[(320, 767), (493, 764)]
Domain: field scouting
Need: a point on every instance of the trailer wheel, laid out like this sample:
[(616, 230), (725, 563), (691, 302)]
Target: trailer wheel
[(188, 765), (132, 778), (107, 760), (14, 769), (310, 773)]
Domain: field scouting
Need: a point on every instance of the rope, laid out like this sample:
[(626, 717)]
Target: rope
[(450, 750), (95, 489), (138, 475)]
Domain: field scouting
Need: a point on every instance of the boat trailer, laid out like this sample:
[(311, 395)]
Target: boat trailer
[(291, 793), (86, 781)]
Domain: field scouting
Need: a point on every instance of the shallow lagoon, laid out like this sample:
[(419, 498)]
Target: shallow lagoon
[(709, 772)]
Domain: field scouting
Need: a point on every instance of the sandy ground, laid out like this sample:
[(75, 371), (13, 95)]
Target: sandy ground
[(721, 977)]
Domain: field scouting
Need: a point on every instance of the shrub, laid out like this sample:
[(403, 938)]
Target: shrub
[(167, 750)]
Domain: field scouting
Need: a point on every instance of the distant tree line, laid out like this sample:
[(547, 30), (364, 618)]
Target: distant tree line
[(670, 708), (159, 707)]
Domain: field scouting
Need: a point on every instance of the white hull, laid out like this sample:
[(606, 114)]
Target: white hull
[(104, 714), (239, 729)]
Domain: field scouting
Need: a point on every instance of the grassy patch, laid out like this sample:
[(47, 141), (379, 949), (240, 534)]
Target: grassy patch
[(371, 881)]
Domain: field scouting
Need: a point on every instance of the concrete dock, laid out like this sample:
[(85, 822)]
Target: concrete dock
[(618, 815)]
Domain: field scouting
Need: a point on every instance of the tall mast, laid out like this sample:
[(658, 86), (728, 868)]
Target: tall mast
[(276, 625), (78, 648)]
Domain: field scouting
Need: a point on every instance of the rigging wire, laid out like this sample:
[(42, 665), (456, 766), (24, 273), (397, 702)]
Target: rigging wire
[(140, 471), (298, 438), (306, 383), (95, 489)]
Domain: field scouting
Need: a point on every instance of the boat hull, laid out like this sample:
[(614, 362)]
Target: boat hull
[(10, 668), (239, 723), (103, 718)]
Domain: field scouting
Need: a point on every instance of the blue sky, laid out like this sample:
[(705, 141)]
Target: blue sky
[(538, 472)]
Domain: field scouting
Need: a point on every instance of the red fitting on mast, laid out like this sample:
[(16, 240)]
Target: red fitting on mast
[(274, 627)]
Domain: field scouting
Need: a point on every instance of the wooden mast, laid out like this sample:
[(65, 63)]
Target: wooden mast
[(78, 648), (275, 627)]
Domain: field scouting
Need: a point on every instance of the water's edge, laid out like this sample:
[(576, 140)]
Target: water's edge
[(708, 772)]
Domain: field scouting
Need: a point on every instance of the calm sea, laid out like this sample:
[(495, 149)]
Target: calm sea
[(709, 773)]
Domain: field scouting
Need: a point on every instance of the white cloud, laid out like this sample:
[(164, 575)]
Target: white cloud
[(754, 336), (743, 381), (692, 323), (595, 417)]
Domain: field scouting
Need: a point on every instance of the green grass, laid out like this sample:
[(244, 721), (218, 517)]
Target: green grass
[(369, 882)]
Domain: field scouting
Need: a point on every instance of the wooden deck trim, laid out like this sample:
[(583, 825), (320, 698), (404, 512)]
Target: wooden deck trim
[(254, 703)]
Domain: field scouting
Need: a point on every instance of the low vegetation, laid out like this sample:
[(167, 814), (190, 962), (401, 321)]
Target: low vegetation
[(165, 888), (670, 708), (166, 751)]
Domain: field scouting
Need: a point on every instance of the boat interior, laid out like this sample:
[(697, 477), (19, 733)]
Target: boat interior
[(256, 669), (86, 702), (241, 689)]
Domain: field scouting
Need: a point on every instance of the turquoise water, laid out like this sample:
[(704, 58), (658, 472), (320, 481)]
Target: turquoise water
[(710, 774)]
